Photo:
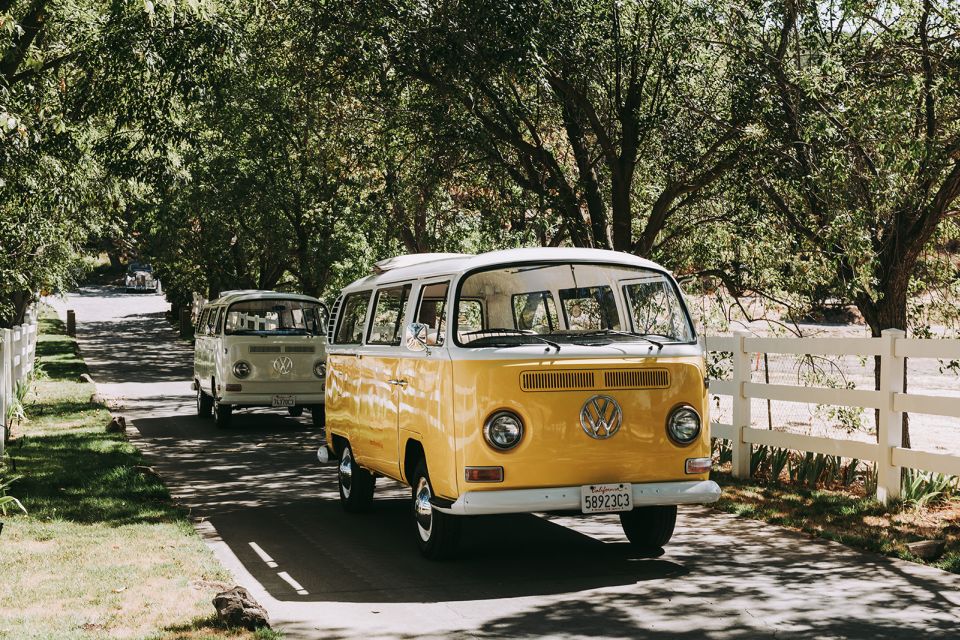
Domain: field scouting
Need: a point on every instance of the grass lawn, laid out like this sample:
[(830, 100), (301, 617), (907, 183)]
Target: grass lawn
[(846, 516), (103, 552)]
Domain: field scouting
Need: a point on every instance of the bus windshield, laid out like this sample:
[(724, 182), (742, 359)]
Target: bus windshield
[(589, 304), (275, 317)]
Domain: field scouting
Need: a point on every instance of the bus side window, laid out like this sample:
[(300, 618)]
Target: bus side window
[(432, 310), (469, 316), (535, 311), (387, 315), (353, 318), (201, 328)]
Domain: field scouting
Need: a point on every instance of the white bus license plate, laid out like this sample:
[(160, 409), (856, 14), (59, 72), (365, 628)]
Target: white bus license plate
[(284, 401), (606, 498)]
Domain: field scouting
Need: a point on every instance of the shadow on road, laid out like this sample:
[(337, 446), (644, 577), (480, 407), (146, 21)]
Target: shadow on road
[(109, 291), (260, 483), (372, 557), (128, 350)]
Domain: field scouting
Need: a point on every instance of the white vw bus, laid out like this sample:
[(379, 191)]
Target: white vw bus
[(260, 349)]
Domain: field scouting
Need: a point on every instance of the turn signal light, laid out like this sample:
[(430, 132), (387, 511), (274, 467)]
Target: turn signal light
[(484, 474), (698, 465), (234, 387)]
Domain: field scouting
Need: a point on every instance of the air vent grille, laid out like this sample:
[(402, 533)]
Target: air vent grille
[(264, 349), (636, 379), (300, 349), (612, 379), (332, 323), (556, 380)]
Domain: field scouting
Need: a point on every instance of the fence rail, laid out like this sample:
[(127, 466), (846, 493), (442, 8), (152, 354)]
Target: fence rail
[(18, 348), (890, 399)]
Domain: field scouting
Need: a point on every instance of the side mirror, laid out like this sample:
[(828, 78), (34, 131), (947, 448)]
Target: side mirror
[(415, 337)]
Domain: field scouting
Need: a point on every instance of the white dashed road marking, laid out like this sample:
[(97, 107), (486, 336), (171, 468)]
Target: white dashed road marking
[(263, 555), (293, 583)]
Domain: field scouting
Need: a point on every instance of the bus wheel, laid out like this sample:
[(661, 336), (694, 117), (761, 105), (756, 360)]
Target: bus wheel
[(295, 412), (356, 483), (318, 413), (649, 527), (204, 403), (438, 533), (222, 414)]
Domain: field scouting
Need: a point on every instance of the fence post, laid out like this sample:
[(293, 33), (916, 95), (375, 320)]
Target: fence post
[(6, 383), (741, 407), (31, 346), (890, 424), (33, 333), (71, 323), (16, 355), (186, 325)]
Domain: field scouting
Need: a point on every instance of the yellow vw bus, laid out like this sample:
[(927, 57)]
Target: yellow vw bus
[(519, 381)]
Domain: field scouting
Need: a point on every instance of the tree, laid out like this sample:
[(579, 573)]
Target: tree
[(47, 198), (862, 136), (614, 114), (859, 155), (89, 96)]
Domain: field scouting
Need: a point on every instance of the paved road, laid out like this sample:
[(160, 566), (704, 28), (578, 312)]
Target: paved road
[(271, 515)]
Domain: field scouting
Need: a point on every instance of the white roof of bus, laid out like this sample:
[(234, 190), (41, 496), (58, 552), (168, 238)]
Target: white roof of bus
[(228, 297), (414, 266)]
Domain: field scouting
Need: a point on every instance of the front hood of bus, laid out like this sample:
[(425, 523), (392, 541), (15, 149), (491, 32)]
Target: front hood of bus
[(276, 358), (556, 398)]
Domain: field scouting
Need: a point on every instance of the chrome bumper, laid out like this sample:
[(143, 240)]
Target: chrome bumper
[(474, 503), (266, 399)]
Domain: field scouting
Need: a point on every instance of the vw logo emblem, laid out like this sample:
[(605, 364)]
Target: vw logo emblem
[(283, 365), (601, 417)]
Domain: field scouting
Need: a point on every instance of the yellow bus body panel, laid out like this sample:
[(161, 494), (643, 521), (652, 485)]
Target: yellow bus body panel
[(555, 450), (445, 403)]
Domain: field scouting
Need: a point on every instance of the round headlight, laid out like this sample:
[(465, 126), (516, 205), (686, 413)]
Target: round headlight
[(503, 430), (683, 425), (241, 369), (320, 368)]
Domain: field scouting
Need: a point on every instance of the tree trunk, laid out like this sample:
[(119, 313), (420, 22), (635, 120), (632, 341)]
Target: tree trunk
[(622, 214), (19, 301), (889, 313)]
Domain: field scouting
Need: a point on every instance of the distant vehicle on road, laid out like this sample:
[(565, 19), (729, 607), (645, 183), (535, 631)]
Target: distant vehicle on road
[(519, 381), (260, 349), (140, 278)]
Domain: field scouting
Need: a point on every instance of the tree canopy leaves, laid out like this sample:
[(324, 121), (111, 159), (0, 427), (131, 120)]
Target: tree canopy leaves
[(796, 150)]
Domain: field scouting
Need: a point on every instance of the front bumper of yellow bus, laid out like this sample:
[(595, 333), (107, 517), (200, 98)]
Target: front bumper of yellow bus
[(474, 503)]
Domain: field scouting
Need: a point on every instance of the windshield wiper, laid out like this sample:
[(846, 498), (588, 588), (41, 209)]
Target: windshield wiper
[(630, 334), (517, 333)]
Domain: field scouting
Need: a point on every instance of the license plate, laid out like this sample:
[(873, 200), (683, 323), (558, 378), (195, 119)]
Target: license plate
[(284, 401), (606, 498)]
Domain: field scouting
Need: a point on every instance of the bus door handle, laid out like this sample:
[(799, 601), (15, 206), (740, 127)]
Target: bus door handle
[(397, 383)]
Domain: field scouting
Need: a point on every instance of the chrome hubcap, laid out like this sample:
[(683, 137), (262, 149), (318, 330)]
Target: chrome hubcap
[(346, 473), (422, 509)]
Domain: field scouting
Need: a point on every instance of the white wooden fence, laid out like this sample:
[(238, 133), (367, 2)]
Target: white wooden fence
[(890, 399), (18, 347)]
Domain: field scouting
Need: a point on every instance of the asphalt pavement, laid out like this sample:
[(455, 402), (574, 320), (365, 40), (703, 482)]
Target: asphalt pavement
[(270, 512)]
